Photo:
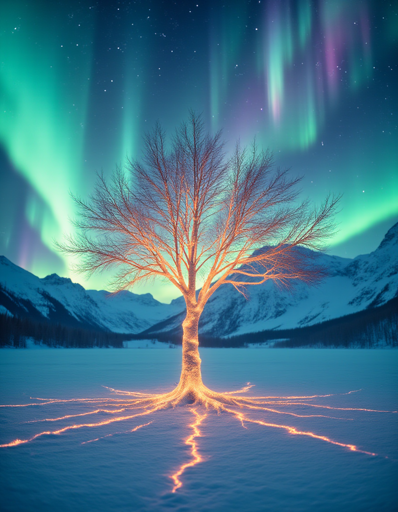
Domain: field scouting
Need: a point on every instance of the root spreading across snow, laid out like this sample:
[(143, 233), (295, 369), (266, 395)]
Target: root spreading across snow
[(200, 401)]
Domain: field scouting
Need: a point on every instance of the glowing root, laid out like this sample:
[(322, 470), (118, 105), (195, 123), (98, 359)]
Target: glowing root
[(136, 405), (115, 433), (190, 441), (72, 427), (68, 416), (294, 431)]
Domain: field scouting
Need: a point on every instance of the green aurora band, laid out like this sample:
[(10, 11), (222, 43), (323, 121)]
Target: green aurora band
[(79, 84), (44, 97)]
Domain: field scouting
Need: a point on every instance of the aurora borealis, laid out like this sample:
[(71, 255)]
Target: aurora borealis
[(80, 82)]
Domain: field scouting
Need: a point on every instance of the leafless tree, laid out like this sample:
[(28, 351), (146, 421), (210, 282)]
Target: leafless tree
[(188, 210)]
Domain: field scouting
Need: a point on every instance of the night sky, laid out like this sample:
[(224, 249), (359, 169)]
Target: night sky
[(80, 82)]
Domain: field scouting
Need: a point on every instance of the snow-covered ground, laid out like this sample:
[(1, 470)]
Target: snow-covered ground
[(257, 468)]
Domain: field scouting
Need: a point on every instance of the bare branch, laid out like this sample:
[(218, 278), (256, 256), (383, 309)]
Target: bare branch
[(186, 209)]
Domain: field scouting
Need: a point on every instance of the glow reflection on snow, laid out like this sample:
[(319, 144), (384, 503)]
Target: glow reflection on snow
[(190, 441), (146, 404)]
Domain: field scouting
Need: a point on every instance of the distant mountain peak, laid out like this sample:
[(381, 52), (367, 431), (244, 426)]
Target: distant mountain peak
[(5, 261), (57, 299), (56, 279), (368, 281), (391, 237)]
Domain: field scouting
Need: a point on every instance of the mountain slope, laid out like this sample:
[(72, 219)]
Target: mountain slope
[(352, 285), (57, 299)]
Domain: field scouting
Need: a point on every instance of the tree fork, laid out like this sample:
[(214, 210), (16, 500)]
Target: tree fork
[(188, 210)]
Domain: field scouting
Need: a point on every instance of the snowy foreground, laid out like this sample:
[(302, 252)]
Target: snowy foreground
[(257, 468)]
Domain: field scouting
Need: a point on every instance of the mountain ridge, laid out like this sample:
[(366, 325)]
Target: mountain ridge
[(58, 299), (352, 285)]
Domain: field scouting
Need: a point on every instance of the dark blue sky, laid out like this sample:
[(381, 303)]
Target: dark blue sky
[(314, 81)]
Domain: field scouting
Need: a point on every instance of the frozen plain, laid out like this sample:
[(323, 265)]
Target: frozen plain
[(249, 469)]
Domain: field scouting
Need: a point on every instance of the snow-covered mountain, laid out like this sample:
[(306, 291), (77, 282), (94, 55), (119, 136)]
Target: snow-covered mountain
[(57, 299), (352, 285)]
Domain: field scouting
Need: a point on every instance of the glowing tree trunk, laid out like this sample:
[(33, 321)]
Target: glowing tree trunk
[(190, 211), (191, 376)]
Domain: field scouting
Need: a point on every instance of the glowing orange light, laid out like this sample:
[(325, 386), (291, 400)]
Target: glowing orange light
[(190, 391), (115, 433), (294, 431), (190, 441), (191, 212), (78, 415)]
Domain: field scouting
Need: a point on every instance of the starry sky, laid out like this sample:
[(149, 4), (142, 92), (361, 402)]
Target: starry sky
[(81, 81)]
